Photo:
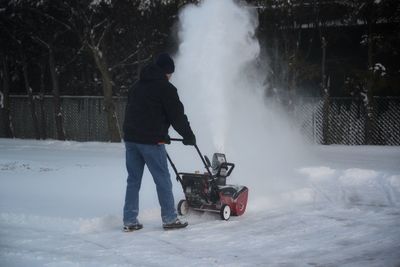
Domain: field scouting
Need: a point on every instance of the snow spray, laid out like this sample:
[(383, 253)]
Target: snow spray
[(219, 76)]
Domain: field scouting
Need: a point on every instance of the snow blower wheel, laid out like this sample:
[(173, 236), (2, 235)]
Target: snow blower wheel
[(183, 207), (225, 212)]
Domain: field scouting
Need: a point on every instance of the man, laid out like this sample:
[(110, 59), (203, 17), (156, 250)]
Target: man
[(153, 105)]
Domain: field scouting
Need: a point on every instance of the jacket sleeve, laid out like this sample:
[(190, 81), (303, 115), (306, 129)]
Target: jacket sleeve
[(175, 111)]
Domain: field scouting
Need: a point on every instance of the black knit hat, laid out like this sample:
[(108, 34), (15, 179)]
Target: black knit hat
[(165, 62)]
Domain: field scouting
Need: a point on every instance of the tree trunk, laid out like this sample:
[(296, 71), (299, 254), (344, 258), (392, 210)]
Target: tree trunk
[(43, 124), (109, 107), (30, 98), (276, 65), (5, 107), (326, 97), (369, 98), (58, 116), (293, 67)]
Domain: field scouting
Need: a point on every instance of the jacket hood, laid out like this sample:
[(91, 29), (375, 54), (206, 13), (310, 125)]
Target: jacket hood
[(152, 72)]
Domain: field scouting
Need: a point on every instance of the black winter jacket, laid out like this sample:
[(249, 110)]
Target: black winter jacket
[(153, 105)]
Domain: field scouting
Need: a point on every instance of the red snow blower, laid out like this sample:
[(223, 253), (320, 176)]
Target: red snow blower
[(209, 191)]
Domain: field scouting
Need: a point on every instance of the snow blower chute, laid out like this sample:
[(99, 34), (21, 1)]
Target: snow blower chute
[(209, 191)]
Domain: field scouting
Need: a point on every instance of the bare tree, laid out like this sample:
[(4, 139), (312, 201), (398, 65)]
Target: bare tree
[(58, 113), (95, 25), (367, 12), (93, 35), (47, 39), (31, 23)]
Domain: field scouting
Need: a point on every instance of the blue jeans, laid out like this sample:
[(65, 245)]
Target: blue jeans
[(155, 157)]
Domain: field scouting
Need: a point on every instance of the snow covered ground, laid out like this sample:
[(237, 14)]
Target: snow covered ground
[(61, 205)]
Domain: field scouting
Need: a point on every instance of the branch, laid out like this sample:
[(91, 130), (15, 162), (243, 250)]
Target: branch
[(12, 36), (107, 28), (50, 17), (76, 13), (100, 23), (37, 39), (76, 55), (129, 64), (121, 63), (57, 34)]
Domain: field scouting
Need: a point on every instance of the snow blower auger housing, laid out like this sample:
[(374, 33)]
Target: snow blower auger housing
[(209, 191)]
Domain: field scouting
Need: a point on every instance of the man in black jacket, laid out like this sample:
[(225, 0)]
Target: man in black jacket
[(153, 106)]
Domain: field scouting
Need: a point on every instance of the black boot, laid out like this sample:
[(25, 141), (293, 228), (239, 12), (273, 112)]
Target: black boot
[(133, 227), (177, 224)]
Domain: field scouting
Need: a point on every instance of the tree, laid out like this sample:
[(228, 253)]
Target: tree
[(30, 28), (92, 25), (17, 41), (371, 14), (100, 26), (291, 32), (48, 39)]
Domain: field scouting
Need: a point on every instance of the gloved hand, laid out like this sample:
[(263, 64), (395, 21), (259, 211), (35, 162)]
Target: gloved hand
[(189, 141)]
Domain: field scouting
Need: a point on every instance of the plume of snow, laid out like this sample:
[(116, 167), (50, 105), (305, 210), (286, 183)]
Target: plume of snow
[(219, 75)]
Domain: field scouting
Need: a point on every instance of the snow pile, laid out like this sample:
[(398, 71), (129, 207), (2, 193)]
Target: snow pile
[(352, 187)]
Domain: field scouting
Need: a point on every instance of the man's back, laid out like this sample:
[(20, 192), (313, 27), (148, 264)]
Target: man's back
[(153, 105)]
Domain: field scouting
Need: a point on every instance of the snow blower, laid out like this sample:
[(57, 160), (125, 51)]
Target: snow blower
[(209, 191)]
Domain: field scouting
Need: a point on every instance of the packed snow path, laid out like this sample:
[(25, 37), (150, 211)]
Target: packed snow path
[(61, 205)]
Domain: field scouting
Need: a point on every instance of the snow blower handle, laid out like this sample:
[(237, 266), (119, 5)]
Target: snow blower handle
[(176, 139), (198, 151)]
